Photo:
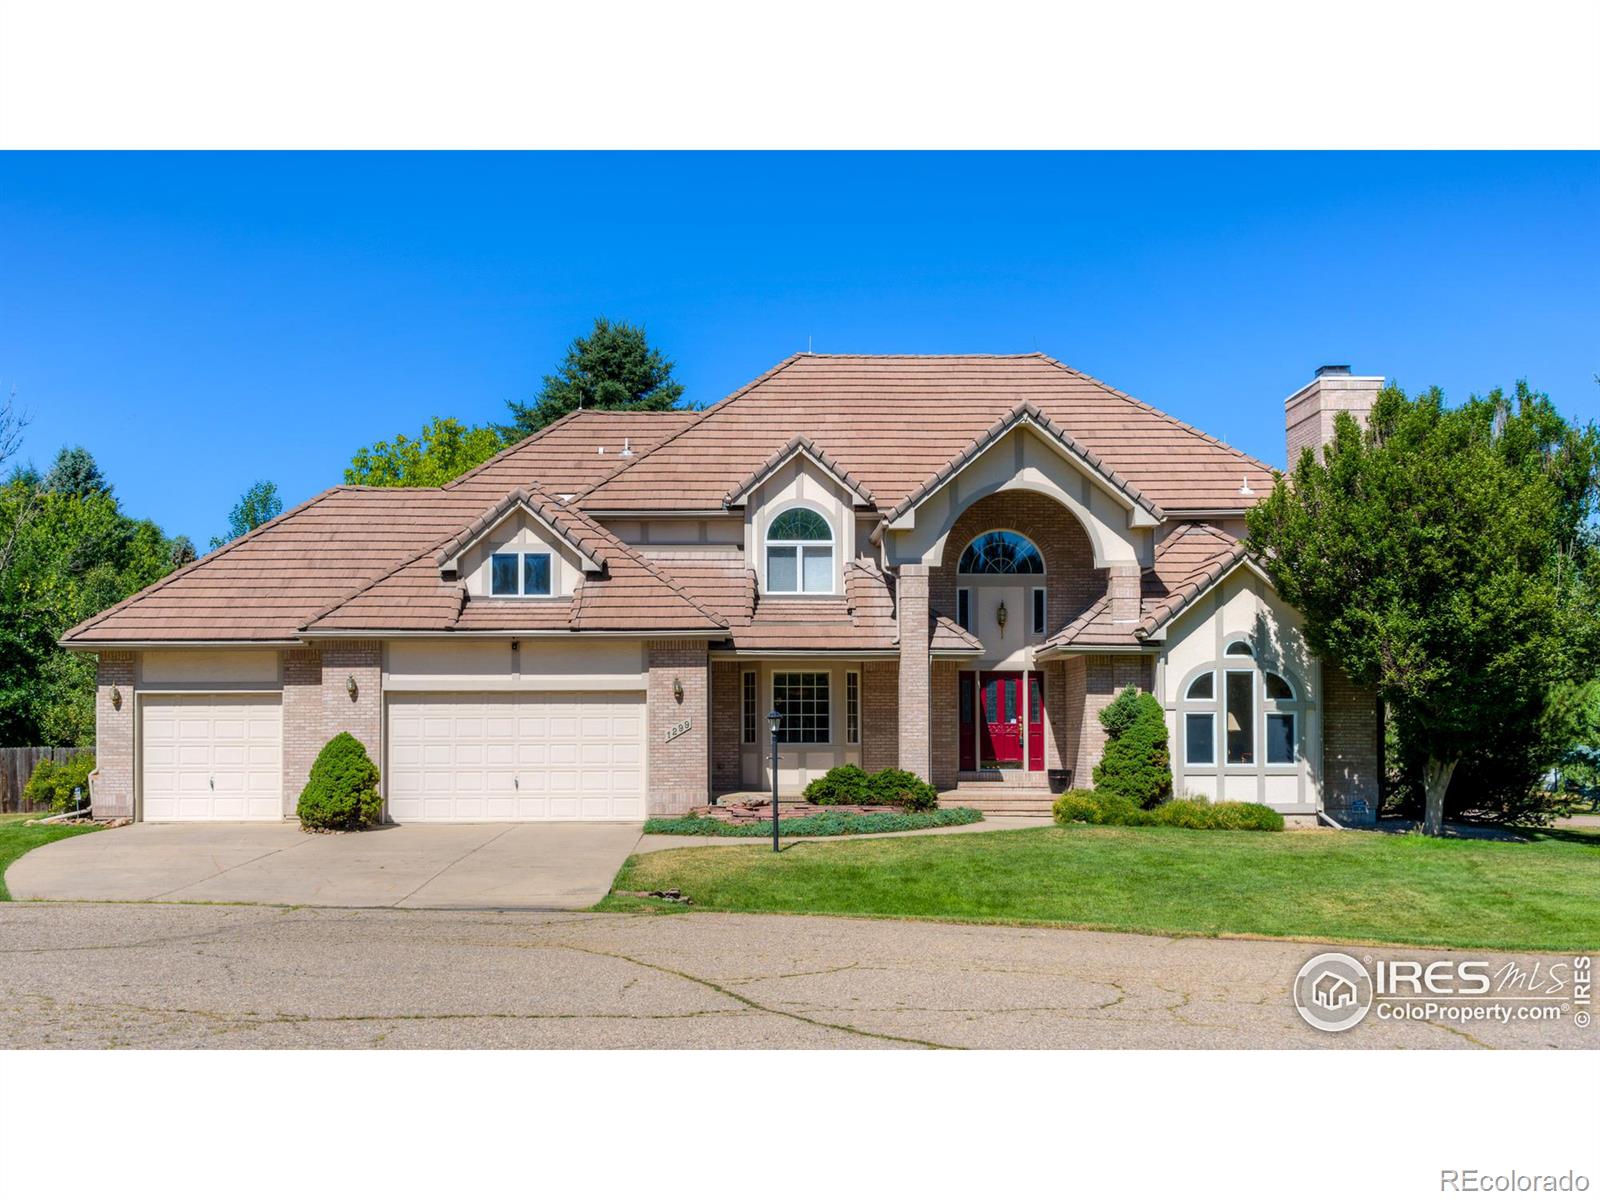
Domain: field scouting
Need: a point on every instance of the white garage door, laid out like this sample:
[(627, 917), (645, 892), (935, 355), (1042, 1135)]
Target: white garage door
[(212, 758), (516, 757)]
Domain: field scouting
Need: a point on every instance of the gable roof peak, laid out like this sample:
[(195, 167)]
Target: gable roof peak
[(545, 510)]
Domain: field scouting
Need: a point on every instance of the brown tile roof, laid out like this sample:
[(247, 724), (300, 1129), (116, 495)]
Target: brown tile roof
[(723, 584), (577, 535), (629, 594), (894, 422), (799, 444), (1025, 413), (1186, 563), (329, 550)]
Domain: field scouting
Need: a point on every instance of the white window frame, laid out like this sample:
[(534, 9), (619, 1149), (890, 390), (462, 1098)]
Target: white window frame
[(749, 704), (798, 547), (852, 708), (827, 732), (522, 557), (1255, 711), (1187, 760)]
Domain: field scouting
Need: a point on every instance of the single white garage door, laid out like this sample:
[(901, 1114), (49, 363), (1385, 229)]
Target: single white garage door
[(572, 756), (212, 758)]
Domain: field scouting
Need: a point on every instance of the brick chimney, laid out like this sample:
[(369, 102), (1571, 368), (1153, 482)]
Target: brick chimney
[(1309, 413)]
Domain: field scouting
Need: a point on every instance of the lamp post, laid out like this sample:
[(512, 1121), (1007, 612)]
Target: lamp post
[(773, 718)]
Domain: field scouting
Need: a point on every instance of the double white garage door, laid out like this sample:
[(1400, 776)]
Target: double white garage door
[(516, 757), (492, 757)]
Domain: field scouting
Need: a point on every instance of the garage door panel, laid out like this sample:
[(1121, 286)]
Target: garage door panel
[(211, 758), (515, 756)]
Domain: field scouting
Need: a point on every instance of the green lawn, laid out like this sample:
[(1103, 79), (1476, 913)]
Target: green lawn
[(16, 839), (1540, 894)]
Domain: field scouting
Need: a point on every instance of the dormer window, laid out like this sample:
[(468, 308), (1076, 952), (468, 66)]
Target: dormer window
[(799, 552), (519, 574)]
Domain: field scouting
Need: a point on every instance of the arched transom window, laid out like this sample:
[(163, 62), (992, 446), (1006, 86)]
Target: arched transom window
[(799, 552), (1242, 711), (1001, 552)]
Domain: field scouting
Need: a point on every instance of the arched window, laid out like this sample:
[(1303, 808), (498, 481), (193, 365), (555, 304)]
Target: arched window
[(1239, 650), (1001, 552), (799, 552), (1253, 719)]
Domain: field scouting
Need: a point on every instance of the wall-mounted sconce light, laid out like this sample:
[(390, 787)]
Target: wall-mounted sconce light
[(350, 685), (677, 689), (1000, 616), (116, 697)]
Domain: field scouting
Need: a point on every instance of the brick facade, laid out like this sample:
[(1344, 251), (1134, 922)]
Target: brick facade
[(915, 670), (679, 771), (880, 714), (302, 720), (727, 711), (1071, 580), (1104, 675), (111, 791), (362, 714), (946, 726), (1352, 750)]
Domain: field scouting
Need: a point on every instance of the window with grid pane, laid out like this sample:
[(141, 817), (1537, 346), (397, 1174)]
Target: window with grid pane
[(852, 707), (801, 698), (799, 552), (747, 704)]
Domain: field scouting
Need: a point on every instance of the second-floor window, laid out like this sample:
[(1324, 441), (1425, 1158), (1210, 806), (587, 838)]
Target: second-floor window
[(799, 552), (519, 575)]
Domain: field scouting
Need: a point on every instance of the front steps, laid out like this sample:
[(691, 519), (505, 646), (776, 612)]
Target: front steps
[(999, 799)]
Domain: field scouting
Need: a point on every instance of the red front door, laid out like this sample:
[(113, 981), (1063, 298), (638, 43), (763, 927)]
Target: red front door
[(1002, 720)]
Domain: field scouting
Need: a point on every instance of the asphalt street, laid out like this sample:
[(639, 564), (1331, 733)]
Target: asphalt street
[(236, 976)]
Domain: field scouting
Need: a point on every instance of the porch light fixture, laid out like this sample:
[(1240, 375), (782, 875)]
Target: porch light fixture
[(774, 718), (1000, 616), (116, 697), (677, 689), (350, 685)]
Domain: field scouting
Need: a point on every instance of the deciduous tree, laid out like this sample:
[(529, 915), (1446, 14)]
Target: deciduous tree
[(1445, 557)]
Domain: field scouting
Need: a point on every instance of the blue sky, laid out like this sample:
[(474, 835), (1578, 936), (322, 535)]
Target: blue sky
[(199, 321)]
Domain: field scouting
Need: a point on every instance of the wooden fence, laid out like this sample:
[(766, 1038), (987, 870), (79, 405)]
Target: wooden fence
[(17, 763)]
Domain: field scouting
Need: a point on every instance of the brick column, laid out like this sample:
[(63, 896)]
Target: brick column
[(362, 714), (915, 670), (111, 791), (1352, 755), (679, 770), (880, 715), (1122, 585), (945, 722), (727, 713), (302, 720)]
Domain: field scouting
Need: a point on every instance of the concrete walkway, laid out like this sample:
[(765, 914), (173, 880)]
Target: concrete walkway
[(528, 866)]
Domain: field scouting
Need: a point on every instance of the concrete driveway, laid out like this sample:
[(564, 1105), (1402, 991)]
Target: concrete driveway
[(526, 866)]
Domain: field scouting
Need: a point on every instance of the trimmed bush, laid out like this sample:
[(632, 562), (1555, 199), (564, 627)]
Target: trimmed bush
[(848, 784), (822, 825), (904, 789), (1234, 814), (1188, 812), (1136, 762), (342, 792), (50, 786), (1078, 805), (1185, 814)]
